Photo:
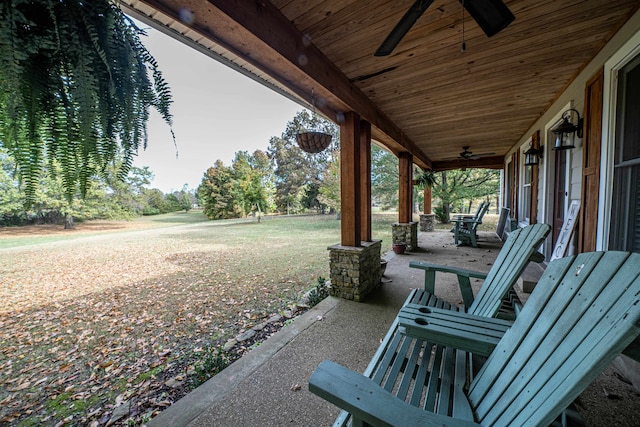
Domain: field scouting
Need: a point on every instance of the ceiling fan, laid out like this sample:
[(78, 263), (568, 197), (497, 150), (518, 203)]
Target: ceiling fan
[(467, 154), (491, 15)]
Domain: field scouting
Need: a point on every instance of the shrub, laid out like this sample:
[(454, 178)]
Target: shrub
[(320, 292), (441, 216), (213, 361)]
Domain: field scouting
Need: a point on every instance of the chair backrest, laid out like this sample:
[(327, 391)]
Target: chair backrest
[(513, 258), (478, 220), (480, 208), (484, 210), (584, 311)]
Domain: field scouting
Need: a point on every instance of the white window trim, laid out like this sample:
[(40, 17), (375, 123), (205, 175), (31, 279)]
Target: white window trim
[(624, 55), (506, 190), (522, 169)]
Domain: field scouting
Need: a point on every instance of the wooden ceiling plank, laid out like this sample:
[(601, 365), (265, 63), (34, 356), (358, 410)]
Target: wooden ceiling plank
[(273, 44)]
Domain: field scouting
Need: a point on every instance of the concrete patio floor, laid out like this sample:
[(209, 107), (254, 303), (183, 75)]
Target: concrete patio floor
[(269, 385)]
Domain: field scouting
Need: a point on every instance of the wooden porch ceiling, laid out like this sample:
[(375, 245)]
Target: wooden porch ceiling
[(427, 97)]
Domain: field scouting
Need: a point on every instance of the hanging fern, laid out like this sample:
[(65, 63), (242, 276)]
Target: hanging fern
[(76, 85)]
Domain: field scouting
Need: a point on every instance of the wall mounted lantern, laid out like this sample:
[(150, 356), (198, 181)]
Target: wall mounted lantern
[(532, 155), (566, 131)]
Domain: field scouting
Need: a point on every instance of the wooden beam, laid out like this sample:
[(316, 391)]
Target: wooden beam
[(350, 203), (405, 190), (428, 195), (493, 162), (260, 34), (365, 180)]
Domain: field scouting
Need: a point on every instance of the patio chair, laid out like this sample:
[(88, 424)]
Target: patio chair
[(518, 250), (474, 216), (397, 351), (583, 313), (465, 231)]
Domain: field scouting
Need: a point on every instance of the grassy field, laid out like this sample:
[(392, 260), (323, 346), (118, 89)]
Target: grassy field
[(117, 314)]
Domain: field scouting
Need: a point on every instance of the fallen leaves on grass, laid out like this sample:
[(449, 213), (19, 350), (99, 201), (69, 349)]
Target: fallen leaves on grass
[(98, 336)]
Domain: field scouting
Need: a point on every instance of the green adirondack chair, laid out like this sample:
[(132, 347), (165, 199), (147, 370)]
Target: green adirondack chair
[(518, 250), (397, 351), (583, 313), (465, 230), (474, 216)]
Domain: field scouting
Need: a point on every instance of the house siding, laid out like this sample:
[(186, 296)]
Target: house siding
[(573, 96)]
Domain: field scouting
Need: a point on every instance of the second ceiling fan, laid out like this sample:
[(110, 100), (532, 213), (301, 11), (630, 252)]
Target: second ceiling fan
[(467, 154), (491, 15)]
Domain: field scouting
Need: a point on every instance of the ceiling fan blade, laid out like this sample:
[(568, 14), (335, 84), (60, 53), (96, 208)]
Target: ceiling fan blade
[(402, 27), (491, 15)]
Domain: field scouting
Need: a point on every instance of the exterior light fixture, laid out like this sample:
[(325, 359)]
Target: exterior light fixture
[(566, 131), (532, 155)]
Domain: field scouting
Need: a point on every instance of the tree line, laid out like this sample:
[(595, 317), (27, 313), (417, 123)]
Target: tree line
[(283, 179), (287, 180), (107, 196)]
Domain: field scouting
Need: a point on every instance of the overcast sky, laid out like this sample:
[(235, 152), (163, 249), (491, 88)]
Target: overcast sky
[(217, 112)]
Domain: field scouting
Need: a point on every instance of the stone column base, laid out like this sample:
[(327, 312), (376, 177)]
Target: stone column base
[(427, 222), (355, 271), (405, 232)]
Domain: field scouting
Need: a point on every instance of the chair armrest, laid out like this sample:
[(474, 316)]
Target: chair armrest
[(536, 257), (368, 402), (463, 331), (447, 269), (463, 278)]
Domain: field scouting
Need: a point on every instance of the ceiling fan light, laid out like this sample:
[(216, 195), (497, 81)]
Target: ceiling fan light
[(491, 15)]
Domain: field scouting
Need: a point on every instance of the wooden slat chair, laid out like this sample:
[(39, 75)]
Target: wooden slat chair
[(584, 312), (465, 231), (397, 351), (520, 248), (474, 216)]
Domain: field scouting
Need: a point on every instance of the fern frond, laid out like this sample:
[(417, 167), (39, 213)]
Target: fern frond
[(76, 86)]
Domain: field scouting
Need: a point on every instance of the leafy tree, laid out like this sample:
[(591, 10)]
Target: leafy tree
[(384, 177), (252, 172), (329, 189), (76, 86), (11, 201), (155, 202), (298, 174), (219, 194), (123, 199), (128, 194), (185, 198), (452, 188)]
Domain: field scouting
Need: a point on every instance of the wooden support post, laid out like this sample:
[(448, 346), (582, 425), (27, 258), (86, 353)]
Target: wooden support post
[(405, 190), (428, 195), (350, 204), (365, 180)]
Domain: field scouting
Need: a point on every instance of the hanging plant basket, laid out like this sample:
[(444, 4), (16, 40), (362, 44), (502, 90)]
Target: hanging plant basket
[(313, 142)]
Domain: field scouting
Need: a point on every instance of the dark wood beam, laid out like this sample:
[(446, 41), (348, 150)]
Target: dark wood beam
[(365, 181), (493, 162), (405, 188), (260, 34), (428, 196), (350, 204)]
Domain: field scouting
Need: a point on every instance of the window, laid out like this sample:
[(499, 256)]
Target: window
[(524, 209), (625, 212)]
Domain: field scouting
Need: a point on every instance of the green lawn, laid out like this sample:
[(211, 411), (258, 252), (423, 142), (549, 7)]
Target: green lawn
[(115, 310)]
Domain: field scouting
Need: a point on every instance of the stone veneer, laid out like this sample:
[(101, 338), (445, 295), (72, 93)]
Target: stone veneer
[(405, 232), (355, 271), (427, 222)]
